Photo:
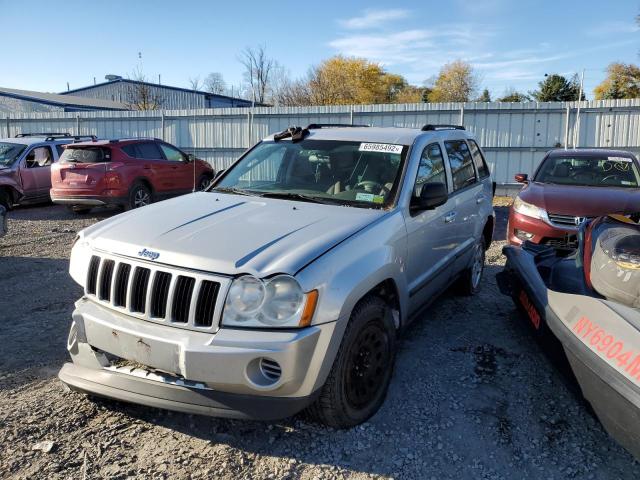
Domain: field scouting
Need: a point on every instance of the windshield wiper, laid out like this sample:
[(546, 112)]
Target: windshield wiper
[(298, 196), (236, 191)]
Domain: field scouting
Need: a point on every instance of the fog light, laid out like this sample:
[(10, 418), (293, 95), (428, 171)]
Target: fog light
[(522, 235)]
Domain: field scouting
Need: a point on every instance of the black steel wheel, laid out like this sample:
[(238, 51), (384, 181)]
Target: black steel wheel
[(359, 379)]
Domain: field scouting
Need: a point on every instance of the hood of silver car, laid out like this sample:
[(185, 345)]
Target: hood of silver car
[(230, 234)]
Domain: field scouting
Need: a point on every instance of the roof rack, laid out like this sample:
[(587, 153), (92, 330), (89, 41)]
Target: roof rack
[(80, 138), (116, 140), (432, 128), (315, 126), (47, 135)]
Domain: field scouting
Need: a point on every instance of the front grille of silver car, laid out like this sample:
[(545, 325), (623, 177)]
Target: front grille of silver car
[(565, 220), (176, 297)]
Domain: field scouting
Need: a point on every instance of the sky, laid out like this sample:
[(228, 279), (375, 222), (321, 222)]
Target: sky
[(510, 43)]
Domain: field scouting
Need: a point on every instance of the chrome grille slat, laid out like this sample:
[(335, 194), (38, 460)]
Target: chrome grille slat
[(563, 220), (166, 295)]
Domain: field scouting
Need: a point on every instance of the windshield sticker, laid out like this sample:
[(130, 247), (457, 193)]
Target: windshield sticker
[(380, 148), (369, 197), (620, 159)]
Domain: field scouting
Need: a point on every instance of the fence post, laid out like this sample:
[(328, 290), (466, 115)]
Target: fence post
[(248, 128), (351, 114), (566, 128), (462, 115), (77, 124), (8, 127), (162, 126)]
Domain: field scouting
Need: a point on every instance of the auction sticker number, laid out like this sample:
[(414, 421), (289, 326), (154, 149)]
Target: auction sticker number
[(380, 148), (608, 346)]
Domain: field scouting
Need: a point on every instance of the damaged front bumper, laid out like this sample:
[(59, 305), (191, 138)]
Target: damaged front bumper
[(236, 373)]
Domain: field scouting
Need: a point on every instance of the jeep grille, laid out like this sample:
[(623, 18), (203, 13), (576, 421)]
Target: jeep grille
[(164, 295)]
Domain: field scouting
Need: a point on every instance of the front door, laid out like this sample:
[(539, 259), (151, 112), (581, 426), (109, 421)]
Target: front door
[(182, 171), (35, 173), (430, 234)]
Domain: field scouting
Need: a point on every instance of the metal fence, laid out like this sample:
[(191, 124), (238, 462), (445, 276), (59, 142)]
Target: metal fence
[(514, 136)]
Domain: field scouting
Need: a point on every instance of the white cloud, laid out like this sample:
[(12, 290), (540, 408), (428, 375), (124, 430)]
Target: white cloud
[(374, 18)]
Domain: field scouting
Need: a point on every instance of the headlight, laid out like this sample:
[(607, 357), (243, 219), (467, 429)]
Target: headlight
[(277, 302), (528, 209), (79, 260)]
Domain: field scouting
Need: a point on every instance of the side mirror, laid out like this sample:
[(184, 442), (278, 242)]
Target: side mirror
[(431, 196), (522, 177), (190, 157)]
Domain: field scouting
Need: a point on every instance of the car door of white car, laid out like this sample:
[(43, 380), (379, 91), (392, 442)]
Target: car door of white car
[(430, 241), (466, 197)]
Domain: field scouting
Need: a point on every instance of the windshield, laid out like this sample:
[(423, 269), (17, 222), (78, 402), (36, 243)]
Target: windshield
[(85, 155), (591, 171), (9, 152), (348, 173)]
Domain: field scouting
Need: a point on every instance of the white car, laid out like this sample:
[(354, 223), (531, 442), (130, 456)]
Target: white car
[(285, 285)]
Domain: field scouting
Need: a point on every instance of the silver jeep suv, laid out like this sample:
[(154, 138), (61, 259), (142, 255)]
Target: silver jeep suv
[(285, 285)]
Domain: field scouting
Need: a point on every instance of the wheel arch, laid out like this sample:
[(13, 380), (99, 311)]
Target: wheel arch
[(487, 231)]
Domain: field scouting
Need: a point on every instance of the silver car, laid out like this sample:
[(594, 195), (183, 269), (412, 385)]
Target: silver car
[(285, 285)]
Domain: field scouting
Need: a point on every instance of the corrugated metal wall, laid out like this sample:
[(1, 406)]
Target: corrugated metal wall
[(514, 136)]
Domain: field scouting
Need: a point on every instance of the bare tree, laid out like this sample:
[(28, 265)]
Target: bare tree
[(214, 83), (195, 83), (258, 69), (141, 95)]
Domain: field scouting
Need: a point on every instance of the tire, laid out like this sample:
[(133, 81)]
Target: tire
[(79, 209), (470, 281), (203, 183), (5, 199), (139, 196), (352, 395)]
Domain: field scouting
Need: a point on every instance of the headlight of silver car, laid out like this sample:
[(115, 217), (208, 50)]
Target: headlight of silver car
[(276, 302), (528, 209)]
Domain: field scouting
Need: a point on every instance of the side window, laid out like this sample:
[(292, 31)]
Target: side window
[(131, 150), (478, 159), (461, 164), (431, 168), (148, 151), (172, 154), (39, 157)]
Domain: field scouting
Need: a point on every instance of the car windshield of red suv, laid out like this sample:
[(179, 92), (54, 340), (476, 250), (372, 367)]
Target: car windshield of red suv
[(9, 152), (589, 171)]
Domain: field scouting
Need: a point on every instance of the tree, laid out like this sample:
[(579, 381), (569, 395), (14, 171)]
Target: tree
[(257, 71), (485, 96), (195, 83), (141, 95), (412, 94), (510, 95), (456, 82), (622, 81), (350, 80), (214, 83), (556, 88)]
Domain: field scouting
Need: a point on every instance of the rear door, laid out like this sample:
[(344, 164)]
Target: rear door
[(35, 172), (466, 197), (154, 166), (430, 236), (183, 172)]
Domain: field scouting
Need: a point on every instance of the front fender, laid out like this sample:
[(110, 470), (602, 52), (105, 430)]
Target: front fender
[(346, 273)]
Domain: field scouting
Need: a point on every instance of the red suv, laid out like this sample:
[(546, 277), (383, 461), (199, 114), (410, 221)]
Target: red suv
[(129, 173), (569, 187)]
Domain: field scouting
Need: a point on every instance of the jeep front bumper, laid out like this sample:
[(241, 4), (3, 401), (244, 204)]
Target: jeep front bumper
[(237, 373)]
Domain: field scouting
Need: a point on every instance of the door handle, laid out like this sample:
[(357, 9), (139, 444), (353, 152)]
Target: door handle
[(450, 217), (146, 167)]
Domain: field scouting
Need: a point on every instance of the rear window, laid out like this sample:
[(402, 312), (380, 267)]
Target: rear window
[(85, 155)]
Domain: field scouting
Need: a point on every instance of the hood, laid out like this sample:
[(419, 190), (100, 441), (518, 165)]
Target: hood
[(581, 201), (230, 234)]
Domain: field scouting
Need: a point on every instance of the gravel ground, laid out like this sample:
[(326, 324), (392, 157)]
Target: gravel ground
[(473, 396)]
